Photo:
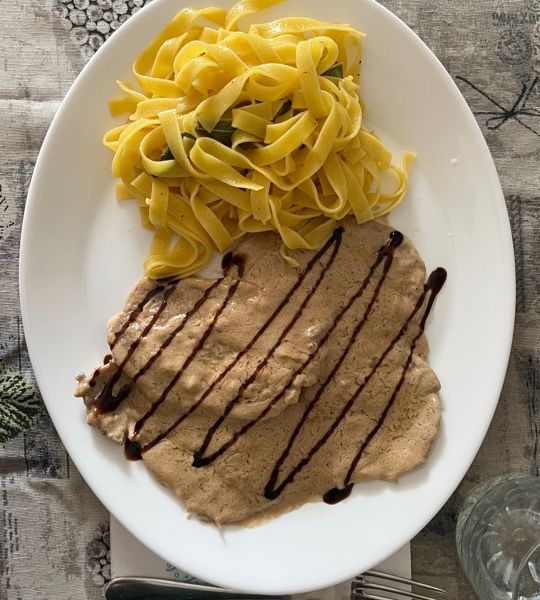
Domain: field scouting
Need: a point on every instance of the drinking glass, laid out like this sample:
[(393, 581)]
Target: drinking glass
[(498, 538)]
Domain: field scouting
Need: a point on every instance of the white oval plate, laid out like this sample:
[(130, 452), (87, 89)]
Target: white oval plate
[(82, 251)]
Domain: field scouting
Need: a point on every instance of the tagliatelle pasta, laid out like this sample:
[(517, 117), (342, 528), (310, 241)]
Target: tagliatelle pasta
[(237, 131)]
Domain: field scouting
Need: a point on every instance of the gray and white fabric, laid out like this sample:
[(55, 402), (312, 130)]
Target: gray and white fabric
[(54, 534)]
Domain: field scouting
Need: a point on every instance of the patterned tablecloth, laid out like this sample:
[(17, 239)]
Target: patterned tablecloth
[(54, 534)]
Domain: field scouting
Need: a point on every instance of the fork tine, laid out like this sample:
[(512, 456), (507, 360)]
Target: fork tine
[(398, 579), (366, 587), (370, 597)]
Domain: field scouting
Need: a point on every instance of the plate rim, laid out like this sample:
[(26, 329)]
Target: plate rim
[(506, 237)]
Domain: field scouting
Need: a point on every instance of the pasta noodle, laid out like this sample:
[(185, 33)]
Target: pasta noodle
[(237, 131)]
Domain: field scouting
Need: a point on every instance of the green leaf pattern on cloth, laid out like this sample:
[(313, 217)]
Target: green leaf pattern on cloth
[(19, 403)]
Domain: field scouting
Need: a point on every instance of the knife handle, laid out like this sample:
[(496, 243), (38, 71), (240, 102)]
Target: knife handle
[(147, 588)]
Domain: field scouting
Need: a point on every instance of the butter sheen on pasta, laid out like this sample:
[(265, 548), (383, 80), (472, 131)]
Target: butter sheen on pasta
[(237, 131)]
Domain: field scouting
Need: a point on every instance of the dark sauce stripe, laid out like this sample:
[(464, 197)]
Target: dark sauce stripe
[(198, 346), (134, 314), (107, 401), (199, 458), (272, 490), (335, 240), (432, 288)]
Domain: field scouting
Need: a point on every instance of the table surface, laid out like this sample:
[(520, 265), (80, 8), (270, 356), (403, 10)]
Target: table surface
[(54, 535)]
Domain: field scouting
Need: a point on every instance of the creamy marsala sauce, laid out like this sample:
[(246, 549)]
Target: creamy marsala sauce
[(254, 393)]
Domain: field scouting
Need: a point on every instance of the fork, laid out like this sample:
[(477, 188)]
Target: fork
[(363, 587), (371, 584)]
